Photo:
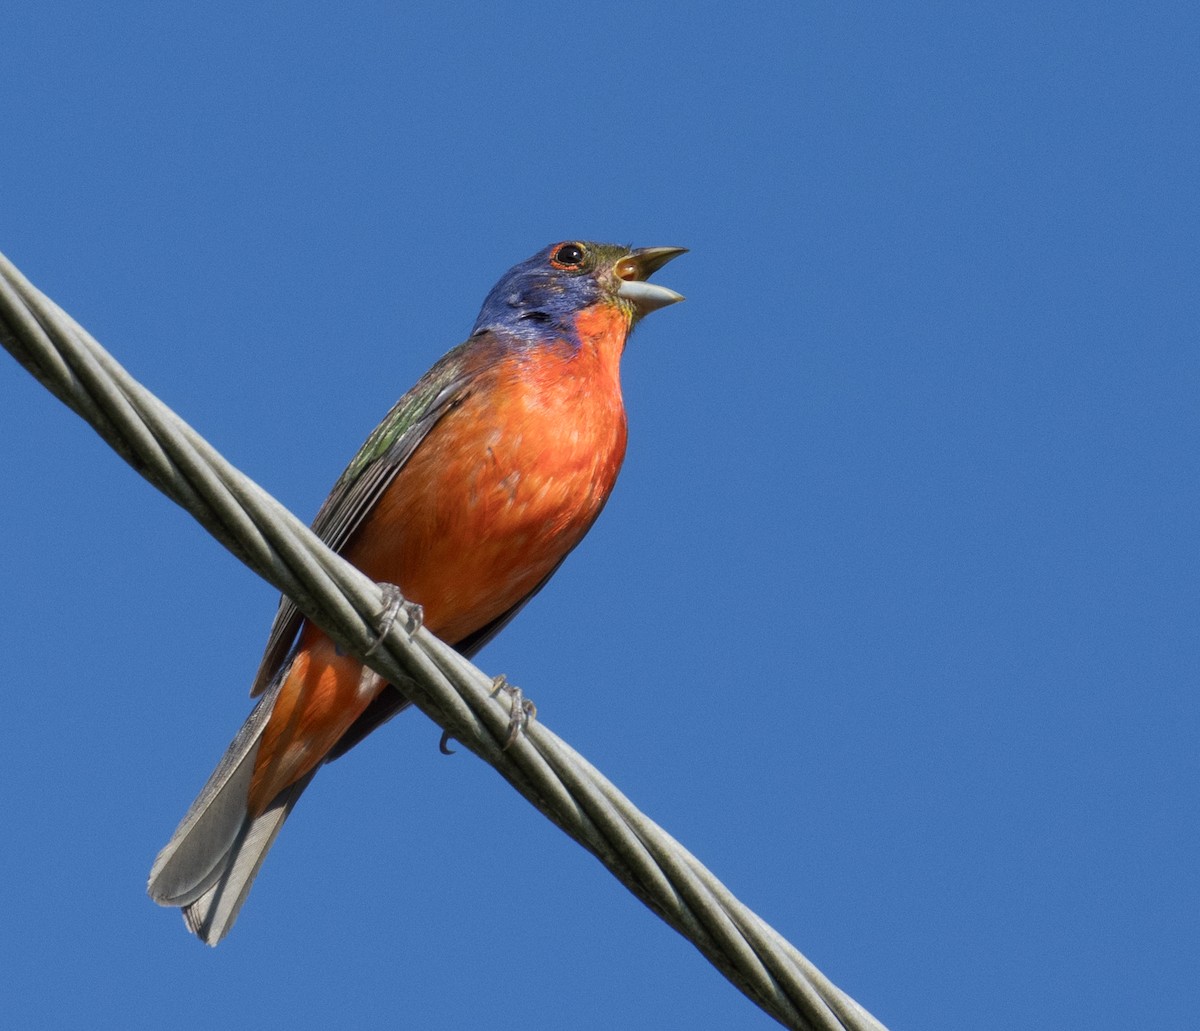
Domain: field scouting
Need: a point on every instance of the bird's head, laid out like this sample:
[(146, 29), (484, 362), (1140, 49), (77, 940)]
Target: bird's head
[(546, 292)]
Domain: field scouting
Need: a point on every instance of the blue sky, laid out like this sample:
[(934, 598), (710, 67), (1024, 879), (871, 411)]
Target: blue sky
[(892, 619)]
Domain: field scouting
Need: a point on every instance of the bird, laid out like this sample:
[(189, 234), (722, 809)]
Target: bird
[(466, 498)]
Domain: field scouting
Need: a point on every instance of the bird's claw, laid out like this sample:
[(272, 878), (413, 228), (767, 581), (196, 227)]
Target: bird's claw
[(393, 605), (522, 709)]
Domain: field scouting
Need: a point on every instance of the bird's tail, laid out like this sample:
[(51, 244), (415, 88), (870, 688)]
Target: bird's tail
[(207, 867)]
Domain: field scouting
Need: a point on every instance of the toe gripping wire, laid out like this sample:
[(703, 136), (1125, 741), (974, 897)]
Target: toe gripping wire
[(455, 694)]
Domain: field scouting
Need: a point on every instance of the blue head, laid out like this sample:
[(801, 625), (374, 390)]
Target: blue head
[(543, 294)]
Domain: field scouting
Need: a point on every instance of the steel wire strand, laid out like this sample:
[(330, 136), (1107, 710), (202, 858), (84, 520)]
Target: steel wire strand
[(453, 692)]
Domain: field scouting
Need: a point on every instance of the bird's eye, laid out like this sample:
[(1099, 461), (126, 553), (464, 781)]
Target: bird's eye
[(568, 256)]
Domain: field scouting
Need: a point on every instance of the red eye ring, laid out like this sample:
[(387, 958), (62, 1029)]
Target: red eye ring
[(568, 256)]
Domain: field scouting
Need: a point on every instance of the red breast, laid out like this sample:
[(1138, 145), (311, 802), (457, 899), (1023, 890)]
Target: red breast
[(502, 488)]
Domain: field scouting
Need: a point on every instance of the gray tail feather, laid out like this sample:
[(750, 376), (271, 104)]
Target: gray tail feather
[(210, 862), (212, 913)]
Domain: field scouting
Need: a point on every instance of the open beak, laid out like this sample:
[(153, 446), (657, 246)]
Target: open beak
[(639, 265)]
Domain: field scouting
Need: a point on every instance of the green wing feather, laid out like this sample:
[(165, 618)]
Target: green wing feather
[(368, 475)]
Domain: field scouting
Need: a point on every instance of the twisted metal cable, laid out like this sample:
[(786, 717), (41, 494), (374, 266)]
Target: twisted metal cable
[(445, 686)]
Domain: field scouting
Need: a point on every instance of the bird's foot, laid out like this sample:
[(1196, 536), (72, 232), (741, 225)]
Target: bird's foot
[(522, 709), (393, 605)]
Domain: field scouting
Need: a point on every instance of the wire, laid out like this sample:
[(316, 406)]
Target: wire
[(455, 694)]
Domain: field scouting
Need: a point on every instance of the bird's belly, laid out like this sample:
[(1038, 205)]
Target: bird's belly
[(489, 505)]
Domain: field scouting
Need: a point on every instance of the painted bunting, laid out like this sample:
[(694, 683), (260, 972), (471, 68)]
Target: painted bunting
[(468, 496)]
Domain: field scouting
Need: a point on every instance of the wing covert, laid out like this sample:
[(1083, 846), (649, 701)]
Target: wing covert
[(368, 475)]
